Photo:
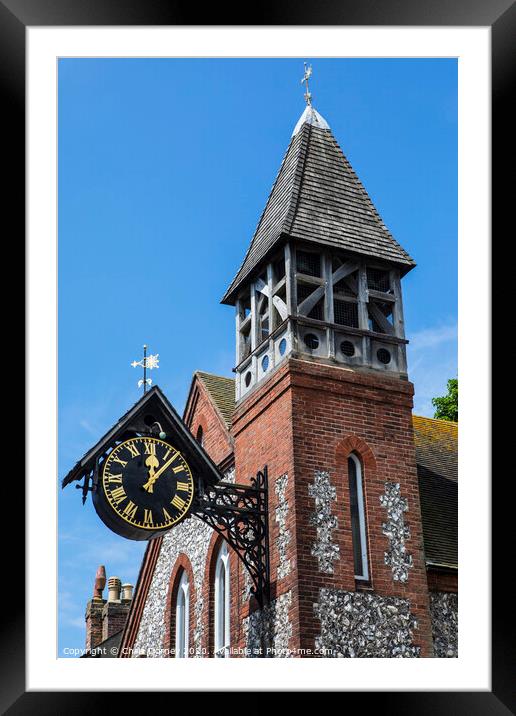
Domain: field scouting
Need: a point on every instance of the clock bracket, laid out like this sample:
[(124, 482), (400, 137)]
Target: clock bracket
[(239, 513)]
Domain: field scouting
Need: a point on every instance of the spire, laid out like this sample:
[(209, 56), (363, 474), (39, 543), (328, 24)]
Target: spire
[(318, 198)]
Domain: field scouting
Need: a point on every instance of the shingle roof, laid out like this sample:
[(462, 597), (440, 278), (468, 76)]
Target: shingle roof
[(436, 457), (317, 197), (222, 392)]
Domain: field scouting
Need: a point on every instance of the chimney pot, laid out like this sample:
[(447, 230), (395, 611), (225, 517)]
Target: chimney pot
[(127, 591), (114, 586), (100, 582)]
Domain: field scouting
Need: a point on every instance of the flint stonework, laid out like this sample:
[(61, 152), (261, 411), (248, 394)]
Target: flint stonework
[(396, 557), (268, 630), (324, 494), (284, 534), (363, 625), (444, 613)]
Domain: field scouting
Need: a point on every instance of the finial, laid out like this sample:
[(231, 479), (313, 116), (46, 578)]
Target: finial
[(148, 361), (306, 77)]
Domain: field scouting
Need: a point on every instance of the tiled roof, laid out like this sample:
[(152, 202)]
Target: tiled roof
[(317, 197), (221, 391), (436, 445), (436, 457)]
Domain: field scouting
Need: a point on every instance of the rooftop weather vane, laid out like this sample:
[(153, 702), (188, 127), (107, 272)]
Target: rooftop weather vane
[(306, 77), (148, 361)]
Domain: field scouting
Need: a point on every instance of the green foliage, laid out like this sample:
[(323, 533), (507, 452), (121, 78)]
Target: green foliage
[(447, 406)]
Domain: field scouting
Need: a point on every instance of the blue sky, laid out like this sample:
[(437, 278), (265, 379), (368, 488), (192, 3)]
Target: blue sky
[(164, 168)]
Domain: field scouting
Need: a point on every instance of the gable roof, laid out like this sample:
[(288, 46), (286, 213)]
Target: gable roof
[(318, 198), (222, 392)]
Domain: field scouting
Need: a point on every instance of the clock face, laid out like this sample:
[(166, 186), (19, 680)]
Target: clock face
[(147, 483)]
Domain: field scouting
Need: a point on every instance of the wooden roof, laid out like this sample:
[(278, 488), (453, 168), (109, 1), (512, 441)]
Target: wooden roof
[(318, 198)]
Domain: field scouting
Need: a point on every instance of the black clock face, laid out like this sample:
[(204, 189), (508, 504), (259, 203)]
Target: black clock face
[(147, 483)]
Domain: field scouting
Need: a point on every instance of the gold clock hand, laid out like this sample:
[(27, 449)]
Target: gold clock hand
[(150, 482), (152, 463)]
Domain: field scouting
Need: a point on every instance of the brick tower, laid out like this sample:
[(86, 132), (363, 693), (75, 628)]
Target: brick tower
[(323, 399)]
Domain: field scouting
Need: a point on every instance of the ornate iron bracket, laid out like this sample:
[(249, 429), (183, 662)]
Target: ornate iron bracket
[(240, 514)]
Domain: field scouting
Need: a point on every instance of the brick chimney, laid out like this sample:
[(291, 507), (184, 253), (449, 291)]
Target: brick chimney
[(94, 610), (116, 609)]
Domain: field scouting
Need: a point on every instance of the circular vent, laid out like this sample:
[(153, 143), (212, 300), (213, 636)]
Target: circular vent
[(248, 378), (311, 341), (383, 356), (347, 348)]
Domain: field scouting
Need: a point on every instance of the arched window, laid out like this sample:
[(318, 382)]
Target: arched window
[(222, 603), (358, 521), (182, 617), (200, 435)]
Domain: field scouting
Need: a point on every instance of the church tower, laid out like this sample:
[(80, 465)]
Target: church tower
[(321, 278), (323, 399)]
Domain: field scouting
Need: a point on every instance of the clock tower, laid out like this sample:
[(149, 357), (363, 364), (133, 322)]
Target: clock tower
[(323, 399)]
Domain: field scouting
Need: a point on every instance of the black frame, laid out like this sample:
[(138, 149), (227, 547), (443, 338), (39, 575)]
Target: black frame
[(500, 15)]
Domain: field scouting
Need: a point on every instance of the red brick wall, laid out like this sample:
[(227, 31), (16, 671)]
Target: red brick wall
[(442, 581), (201, 411), (94, 622), (263, 435), (309, 417), (114, 618)]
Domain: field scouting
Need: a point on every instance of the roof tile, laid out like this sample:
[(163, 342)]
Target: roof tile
[(317, 197)]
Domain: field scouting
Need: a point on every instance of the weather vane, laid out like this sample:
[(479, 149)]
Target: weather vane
[(306, 77), (148, 361)]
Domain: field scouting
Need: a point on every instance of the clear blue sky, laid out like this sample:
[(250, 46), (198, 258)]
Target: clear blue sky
[(164, 168)]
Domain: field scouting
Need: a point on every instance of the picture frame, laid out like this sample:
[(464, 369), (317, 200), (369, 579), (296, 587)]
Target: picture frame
[(16, 16)]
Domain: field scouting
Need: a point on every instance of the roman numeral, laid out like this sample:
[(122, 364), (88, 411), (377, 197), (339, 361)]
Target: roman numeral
[(115, 478), (183, 486), (150, 448), (130, 510), (173, 456), (167, 516), (179, 468), (118, 495), (133, 449), (117, 459), (178, 502), (147, 519)]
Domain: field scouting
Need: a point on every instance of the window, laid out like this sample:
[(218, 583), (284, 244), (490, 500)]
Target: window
[(182, 617), (358, 526), (222, 603), (200, 435)]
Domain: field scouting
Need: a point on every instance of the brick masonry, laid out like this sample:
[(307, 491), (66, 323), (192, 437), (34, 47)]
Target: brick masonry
[(303, 422), (306, 420)]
